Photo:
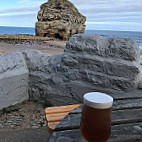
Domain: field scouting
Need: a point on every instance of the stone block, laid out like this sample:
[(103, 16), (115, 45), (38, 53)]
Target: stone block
[(89, 63), (14, 78), (120, 48)]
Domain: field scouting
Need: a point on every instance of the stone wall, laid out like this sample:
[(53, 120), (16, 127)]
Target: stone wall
[(89, 63), (14, 77)]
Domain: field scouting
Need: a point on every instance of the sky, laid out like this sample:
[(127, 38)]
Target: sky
[(117, 15)]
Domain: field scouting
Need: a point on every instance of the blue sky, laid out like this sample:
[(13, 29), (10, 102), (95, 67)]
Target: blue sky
[(123, 15)]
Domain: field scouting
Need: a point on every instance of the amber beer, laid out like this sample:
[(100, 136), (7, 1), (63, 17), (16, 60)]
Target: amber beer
[(95, 124)]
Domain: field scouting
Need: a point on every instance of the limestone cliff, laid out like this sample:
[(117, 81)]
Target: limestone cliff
[(59, 19)]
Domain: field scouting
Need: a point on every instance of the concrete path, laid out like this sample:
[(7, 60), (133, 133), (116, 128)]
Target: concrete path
[(27, 135)]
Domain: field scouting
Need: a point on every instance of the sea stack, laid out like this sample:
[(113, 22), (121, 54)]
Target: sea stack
[(59, 19)]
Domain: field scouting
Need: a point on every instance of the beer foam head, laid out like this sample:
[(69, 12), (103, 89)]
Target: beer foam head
[(98, 100)]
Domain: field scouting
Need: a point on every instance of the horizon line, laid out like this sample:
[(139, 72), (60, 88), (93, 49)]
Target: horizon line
[(85, 29)]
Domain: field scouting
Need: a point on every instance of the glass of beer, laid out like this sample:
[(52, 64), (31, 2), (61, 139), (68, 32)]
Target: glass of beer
[(95, 123)]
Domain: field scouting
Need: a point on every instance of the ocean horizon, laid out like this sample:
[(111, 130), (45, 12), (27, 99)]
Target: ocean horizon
[(137, 36)]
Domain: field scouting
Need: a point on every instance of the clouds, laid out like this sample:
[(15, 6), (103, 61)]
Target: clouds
[(116, 26), (111, 14), (30, 2), (91, 1), (18, 10), (19, 16), (22, 7), (103, 14), (23, 14), (112, 7)]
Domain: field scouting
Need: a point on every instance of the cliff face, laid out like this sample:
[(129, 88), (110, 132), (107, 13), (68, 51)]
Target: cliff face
[(59, 19)]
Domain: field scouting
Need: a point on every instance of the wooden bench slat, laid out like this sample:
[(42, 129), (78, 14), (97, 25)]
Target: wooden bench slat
[(72, 121), (60, 109), (127, 104), (55, 114), (52, 126), (55, 117), (120, 105), (134, 94)]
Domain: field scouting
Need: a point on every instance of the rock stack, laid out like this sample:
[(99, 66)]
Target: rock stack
[(59, 19)]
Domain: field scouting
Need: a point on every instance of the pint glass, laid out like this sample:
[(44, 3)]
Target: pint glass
[(95, 124)]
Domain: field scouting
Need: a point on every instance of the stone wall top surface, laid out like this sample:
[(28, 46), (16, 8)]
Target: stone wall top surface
[(118, 48), (12, 64), (14, 79)]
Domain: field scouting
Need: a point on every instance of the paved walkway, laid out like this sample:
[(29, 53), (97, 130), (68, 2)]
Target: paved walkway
[(26, 135)]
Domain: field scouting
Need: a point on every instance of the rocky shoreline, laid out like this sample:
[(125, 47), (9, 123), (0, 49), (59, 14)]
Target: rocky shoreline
[(23, 39), (10, 43)]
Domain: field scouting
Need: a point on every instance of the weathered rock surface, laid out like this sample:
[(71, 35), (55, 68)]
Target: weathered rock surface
[(14, 77), (59, 19), (89, 63), (104, 62)]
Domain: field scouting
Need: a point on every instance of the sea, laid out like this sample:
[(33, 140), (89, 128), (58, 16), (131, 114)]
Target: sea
[(137, 36)]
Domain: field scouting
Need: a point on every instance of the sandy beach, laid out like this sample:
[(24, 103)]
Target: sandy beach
[(51, 47), (47, 46)]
